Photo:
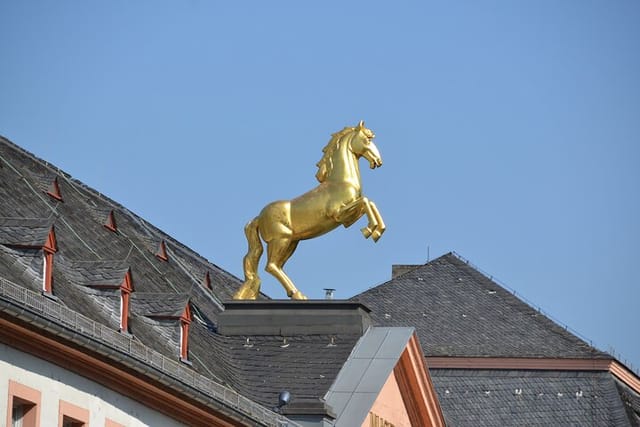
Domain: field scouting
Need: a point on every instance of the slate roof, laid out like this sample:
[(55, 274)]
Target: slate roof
[(631, 402), (159, 304), (531, 398), (91, 255), (30, 232), (95, 273), (262, 366), (458, 311)]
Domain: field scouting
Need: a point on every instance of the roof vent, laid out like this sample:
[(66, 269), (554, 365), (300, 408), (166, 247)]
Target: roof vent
[(328, 293), (54, 190), (206, 281), (162, 251), (110, 223)]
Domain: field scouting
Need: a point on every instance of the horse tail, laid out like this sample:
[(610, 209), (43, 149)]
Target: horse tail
[(251, 286)]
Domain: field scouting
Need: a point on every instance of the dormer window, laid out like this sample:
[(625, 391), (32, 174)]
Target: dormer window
[(110, 223), (36, 234), (171, 311), (125, 294), (110, 276), (49, 248), (185, 321), (162, 251), (54, 190)]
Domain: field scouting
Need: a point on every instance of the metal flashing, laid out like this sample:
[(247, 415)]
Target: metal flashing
[(362, 377)]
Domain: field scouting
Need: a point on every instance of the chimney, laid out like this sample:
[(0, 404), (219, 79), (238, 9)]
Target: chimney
[(400, 269)]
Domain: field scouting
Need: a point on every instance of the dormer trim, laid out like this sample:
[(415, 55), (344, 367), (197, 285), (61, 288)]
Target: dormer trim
[(51, 244), (110, 222), (49, 248), (185, 321), (162, 251), (416, 387), (54, 190), (206, 281), (126, 288)]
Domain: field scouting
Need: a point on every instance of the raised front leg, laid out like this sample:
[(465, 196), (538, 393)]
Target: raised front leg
[(353, 211), (372, 226), (377, 233)]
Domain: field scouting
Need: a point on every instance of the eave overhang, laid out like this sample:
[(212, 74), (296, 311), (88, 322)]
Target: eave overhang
[(27, 330)]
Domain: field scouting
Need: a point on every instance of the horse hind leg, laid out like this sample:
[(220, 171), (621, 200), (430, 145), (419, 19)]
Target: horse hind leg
[(251, 286), (278, 252)]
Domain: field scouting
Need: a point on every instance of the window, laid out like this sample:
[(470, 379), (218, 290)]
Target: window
[(24, 406), (185, 321), (50, 247), (47, 275), (71, 415), (125, 292), (71, 422)]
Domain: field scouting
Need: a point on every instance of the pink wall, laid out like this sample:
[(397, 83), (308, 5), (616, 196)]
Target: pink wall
[(389, 406)]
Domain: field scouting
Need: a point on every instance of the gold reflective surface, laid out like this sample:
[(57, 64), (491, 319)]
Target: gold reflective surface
[(338, 200)]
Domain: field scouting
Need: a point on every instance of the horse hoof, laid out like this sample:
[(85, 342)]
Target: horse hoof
[(298, 295), (247, 292), (376, 235), (366, 232)]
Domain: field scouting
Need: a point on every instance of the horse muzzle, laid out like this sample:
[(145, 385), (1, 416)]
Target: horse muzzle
[(375, 162)]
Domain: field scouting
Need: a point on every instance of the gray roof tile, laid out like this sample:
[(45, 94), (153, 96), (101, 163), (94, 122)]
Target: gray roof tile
[(457, 311), (531, 398), (89, 254), (159, 304), (263, 366), (31, 232)]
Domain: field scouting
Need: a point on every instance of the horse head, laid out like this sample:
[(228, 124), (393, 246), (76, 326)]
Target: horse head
[(362, 145)]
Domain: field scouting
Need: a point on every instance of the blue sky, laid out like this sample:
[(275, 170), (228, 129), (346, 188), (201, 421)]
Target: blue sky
[(510, 132)]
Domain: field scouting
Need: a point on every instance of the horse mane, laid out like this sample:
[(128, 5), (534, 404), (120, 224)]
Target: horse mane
[(326, 164)]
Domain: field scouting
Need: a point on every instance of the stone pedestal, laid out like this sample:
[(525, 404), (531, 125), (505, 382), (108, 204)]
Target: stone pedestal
[(289, 317)]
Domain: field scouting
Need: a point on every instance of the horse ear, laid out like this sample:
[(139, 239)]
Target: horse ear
[(361, 125)]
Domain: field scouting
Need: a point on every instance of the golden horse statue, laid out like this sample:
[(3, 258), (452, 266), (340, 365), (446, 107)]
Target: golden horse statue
[(338, 200)]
